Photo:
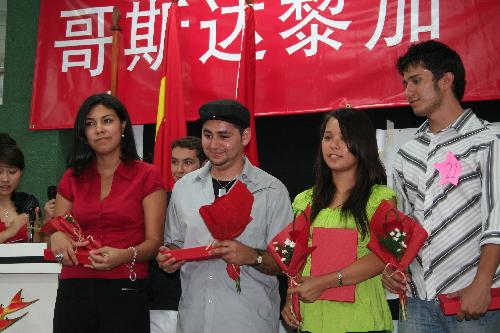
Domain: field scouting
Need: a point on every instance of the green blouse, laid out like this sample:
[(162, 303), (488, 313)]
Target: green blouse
[(370, 311)]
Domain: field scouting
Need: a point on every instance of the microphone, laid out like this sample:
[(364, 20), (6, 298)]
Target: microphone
[(51, 192), (31, 225)]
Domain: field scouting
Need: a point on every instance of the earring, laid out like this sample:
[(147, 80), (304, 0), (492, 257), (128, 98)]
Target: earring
[(123, 135)]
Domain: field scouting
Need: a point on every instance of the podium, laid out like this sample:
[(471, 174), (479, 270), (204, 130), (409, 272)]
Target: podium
[(22, 268)]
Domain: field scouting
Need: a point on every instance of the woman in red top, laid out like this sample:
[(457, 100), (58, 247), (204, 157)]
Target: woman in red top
[(119, 201), (16, 207)]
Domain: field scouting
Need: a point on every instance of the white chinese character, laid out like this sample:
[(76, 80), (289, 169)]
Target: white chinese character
[(314, 37), (433, 28), (82, 27), (212, 26), (142, 31), (147, 35)]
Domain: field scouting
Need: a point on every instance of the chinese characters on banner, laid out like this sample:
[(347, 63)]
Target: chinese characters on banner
[(312, 55)]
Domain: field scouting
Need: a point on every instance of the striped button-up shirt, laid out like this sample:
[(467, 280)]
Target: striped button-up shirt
[(459, 218)]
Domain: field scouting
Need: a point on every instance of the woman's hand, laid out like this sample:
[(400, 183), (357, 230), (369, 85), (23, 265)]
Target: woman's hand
[(106, 258), (311, 288), (49, 210), (61, 243), (288, 315), (17, 224)]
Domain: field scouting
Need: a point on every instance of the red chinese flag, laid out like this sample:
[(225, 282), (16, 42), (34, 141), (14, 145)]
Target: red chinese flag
[(170, 119), (246, 80)]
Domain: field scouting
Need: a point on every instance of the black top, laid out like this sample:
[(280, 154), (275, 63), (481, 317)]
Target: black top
[(224, 185), (24, 202), (164, 289)]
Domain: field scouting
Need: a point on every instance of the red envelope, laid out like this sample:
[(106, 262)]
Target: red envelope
[(335, 249), (191, 254), (81, 255), (451, 306)]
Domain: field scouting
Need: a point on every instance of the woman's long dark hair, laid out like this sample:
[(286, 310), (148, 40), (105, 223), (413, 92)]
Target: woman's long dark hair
[(359, 135), (82, 155), (10, 153)]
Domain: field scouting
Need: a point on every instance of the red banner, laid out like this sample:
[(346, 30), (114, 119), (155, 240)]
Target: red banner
[(311, 55)]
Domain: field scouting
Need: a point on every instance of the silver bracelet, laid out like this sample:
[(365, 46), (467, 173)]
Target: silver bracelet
[(132, 275), (339, 276)]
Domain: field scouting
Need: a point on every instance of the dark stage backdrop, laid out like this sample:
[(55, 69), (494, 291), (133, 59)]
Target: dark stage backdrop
[(288, 144)]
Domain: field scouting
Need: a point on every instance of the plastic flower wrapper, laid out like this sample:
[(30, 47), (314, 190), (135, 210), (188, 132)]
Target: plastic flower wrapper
[(294, 239), (70, 226), (227, 217), (396, 239)]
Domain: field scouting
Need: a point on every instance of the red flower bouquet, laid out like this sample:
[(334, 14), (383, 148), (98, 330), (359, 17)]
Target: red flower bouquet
[(227, 217), (70, 226), (395, 239), (290, 249)]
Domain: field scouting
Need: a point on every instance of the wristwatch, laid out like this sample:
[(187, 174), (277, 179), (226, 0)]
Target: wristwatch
[(259, 259)]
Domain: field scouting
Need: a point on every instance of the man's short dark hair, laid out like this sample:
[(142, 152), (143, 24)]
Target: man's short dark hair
[(437, 58), (191, 143)]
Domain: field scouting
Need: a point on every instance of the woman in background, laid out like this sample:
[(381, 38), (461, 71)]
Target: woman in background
[(349, 186), (16, 207), (119, 201)]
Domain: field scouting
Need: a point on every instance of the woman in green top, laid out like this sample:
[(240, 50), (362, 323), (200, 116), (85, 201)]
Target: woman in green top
[(349, 187)]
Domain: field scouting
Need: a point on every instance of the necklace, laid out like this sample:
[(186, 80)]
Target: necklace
[(337, 206), (223, 188), (6, 214)]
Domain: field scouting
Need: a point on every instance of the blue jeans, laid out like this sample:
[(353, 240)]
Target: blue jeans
[(427, 317)]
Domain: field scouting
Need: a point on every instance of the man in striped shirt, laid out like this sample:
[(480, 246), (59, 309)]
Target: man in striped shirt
[(448, 179)]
